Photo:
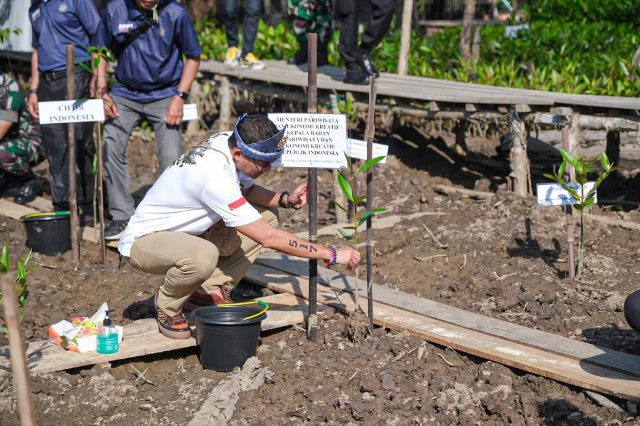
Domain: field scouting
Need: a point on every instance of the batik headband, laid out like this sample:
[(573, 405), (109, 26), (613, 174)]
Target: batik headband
[(268, 150)]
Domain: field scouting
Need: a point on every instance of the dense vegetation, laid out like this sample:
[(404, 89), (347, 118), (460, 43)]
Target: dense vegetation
[(578, 46)]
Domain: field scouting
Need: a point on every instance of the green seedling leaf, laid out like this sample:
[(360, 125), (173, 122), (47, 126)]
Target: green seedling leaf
[(369, 213), (367, 165), (340, 206), (349, 164), (4, 259), (345, 186), (344, 235), (562, 169), (84, 66), (22, 298), (21, 273), (357, 199), (604, 161), (569, 158)]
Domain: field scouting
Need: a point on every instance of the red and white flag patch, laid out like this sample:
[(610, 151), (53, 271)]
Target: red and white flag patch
[(238, 203)]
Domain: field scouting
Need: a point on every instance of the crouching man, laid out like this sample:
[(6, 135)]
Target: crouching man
[(172, 231)]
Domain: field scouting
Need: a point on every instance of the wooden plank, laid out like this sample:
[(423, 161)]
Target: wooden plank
[(421, 88), (578, 372), (143, 338), (604, 357)]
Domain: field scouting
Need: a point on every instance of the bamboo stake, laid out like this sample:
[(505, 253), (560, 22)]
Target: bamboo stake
[(369, 133), (225, 103), (100, 194), (405, 37), (465, 33), (518, 156), (312, 108), (71, 139), (21, 378), (570, 223)]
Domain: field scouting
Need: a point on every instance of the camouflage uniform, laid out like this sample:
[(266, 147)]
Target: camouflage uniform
[(20, 148), (311, 16)]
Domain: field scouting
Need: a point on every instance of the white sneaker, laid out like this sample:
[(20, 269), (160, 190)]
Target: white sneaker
[(232, 58), (252, 61)]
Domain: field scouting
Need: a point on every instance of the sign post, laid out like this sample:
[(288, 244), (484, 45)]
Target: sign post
[(553, 194), (71, 143)]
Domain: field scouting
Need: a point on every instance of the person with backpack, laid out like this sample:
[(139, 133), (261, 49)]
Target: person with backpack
[(152, 81), (56, 24)]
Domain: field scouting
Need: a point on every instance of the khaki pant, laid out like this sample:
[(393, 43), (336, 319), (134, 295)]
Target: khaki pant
[(189, 261)]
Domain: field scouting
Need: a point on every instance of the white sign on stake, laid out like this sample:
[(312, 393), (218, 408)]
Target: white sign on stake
[(553, 194), (189, 112), (313, 140), (71, 111), (358, 149)]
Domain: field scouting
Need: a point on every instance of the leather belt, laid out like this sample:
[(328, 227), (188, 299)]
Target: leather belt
[(57, 75)]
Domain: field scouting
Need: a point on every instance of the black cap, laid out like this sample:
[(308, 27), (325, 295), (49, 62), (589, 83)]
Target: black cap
[(107, 320)]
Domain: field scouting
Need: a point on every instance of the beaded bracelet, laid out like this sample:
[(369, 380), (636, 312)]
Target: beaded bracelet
[(281, 199), (334, 255)]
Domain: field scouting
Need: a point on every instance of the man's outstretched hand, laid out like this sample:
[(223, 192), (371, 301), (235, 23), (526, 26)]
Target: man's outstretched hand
[(348, 256), (299, 197)]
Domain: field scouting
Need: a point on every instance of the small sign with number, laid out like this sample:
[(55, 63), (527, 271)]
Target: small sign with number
[(553, 194)]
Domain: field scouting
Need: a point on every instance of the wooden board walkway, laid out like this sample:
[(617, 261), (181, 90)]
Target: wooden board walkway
[(143, 338), (420, 88), (566, 360)]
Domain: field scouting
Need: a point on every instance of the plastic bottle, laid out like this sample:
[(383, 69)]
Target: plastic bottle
[(107, 337)]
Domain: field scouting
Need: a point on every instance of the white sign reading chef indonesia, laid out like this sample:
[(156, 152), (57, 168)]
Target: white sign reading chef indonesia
[(71, 111), (313, 140)]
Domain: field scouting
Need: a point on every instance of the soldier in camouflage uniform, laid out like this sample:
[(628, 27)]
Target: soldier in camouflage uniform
[(20, 147), (311, 16)]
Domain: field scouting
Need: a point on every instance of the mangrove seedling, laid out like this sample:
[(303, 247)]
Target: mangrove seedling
[(582, 201), (22, 269), (358, 218)]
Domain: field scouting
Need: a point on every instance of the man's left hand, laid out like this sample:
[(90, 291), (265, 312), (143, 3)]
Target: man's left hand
[(175, 111), (298, 197)]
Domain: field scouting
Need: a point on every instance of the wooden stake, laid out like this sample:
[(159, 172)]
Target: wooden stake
[(21, 378), (465, 34), (568, 141), (405, 36), (369, 133), (312, 108), (71, 140), (100, 194), (518, 160), (225, 103)]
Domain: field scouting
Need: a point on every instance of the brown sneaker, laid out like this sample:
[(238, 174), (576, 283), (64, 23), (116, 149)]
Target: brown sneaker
[(175, 327), (199, 298)]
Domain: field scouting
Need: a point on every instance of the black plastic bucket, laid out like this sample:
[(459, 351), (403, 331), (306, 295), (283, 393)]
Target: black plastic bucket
[(48, 233), (225, 338)]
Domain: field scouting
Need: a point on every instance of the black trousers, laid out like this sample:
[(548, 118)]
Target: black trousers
[(56, 147), (347, 12)]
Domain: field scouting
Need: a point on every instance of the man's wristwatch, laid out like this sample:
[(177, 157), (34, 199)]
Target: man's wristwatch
[(30, 91), (182, 95)]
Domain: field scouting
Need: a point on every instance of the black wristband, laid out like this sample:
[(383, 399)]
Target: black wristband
[(35, 91), (281, 199), (182, 95)]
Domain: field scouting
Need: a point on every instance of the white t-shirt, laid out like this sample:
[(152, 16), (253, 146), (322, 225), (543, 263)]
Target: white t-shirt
[(201, 188)]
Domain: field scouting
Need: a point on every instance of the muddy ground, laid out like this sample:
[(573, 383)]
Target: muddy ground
[(504, 257)]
